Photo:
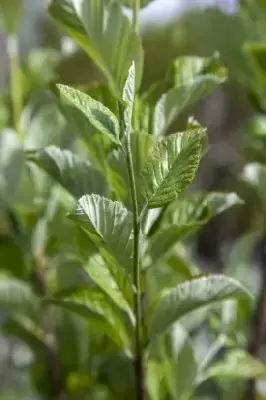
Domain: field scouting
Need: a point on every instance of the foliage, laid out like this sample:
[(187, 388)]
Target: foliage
[(95, 218)]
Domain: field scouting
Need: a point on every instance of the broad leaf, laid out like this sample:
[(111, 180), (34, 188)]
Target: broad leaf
[(102, 276), (170, 167), (11, 166), (128, 97), (184, 216), (16, 296), (254, 174), (109, 224), (78, 176), (10, 15), (105, 33), (94, 304), (26, 332), (118, 172), (189, 296), (180, 366), (237, 364), (195, 77), (98, 115)]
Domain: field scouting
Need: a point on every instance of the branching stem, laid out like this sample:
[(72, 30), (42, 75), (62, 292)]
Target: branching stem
[(136, 8)]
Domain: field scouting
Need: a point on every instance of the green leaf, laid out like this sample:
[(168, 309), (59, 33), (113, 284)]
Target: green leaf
[(94, 304), (11, 255), (237, 364), (195, 77), (98, 115), (154, 380), (10, 13), (185, 215), (171, 166), (98, 270), (118, 173), (78, 176), (189, 296), (27, 333), (128, 97), (109, 224), (11, 167), (254, 174), (180, 366), (130, 3), (105, 34), (45, 127), (16, 296)]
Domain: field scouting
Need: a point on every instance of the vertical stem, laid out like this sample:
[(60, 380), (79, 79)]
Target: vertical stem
[(15, 77), (139, 366), (136, 8)]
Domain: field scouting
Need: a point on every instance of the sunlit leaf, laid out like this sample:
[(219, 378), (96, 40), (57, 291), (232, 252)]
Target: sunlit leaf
[(170, 167), (98, 115), (105, 34), (109, 224), (128, 97)]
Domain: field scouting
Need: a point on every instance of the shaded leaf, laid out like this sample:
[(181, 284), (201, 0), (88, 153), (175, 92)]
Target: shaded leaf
[(170, 167), (78, 176), (94, 304), (98, 270), (191, 295), (98, 115)]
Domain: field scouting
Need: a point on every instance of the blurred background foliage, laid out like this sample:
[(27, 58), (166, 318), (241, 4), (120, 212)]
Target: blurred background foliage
[(234, 115)]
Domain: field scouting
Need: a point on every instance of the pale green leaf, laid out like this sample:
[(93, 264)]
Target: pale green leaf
[(99, 272), (154, 380), (98, 115), (109, 224), (185, 215), (170, 167), (237, 364), (189, 296), (128, 97), (180, 366), (16, 296), (93, 303), (195, 77), (11, 166), (254, 174), (105, 34), (78, 176), (10, 15)]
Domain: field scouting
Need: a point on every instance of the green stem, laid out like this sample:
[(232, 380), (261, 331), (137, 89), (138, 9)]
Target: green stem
[(15, 78), (139, 349), (136, 8)]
